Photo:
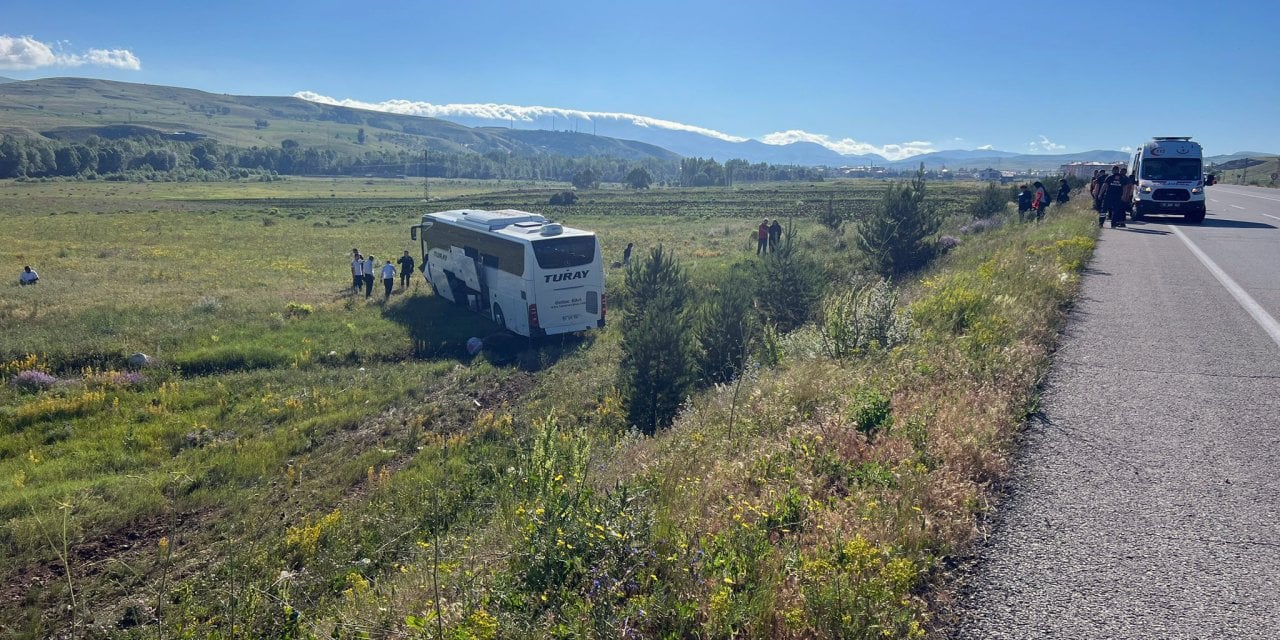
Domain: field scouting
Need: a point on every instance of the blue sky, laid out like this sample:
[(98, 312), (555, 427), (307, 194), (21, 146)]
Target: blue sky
[(1018, 76)]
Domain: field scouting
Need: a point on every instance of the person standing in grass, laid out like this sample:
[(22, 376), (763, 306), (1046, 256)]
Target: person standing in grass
[(775, 235), (626, 255), (28, 276), (1024, 203), (368, 276), (1041, 200), (406, 269), (357, 270), (1064, 191), (762, 237), (389, 277)]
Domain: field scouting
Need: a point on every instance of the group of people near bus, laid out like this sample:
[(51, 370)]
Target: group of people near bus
[(364, 268)]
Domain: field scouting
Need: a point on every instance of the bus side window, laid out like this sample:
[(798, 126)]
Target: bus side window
[(489, 260), (471, 252)]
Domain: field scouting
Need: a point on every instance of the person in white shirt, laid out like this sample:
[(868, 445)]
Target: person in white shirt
[(368, 276), (357, 270), (28, 276), (388, 278)]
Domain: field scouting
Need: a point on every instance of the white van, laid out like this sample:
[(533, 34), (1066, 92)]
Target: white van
[(532, 276), (1169, 178)]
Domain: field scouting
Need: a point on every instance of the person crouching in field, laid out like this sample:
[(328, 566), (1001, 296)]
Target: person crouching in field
[(28, 276), (1024, 203), (388, 278)]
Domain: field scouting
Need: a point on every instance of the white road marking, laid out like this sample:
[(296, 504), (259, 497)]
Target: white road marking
[(1250, 195), (1212, 200), (1238, 207), (1270, 216), (1260, 315)]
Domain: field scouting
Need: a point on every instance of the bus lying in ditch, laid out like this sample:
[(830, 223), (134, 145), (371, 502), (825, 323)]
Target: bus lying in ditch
[(532, 276)]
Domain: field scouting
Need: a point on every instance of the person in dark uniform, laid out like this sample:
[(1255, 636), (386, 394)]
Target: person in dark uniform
[(1024, 203), (775, 235), (406, 269), (1064, 191), (1113, 196)]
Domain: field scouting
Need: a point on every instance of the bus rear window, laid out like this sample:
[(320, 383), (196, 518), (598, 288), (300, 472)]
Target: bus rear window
[(1171, 169), (560, 253)]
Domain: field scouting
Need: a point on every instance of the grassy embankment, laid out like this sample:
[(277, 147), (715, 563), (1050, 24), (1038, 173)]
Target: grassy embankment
[(300, 492)]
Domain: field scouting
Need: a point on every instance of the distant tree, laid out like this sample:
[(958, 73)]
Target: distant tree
[(360, 135), (832, 218), (724, 325), (261, 123), (991, 201), (897, 236), (639, 178), (788, 284), (288, 145), (657, 368), (586, 179)]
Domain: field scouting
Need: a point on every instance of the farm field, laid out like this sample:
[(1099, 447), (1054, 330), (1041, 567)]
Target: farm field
[(294, 467)]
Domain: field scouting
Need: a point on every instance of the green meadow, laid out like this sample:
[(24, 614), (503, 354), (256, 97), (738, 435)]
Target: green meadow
[(304, 462)]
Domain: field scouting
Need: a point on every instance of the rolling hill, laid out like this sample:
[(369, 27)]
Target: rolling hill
[(73, 108)]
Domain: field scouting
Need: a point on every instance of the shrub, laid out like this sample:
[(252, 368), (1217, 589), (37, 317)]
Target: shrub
[(897, 236), (870, 412), (564, 198), (990, 202), (32, 381), (863, 318), (207, 304), (657, 365), (297, 310), (725, 327), (788, 285)]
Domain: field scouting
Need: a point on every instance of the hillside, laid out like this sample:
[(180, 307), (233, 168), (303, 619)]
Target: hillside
[(72, 108)]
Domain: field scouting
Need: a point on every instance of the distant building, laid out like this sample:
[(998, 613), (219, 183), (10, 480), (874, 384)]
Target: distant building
[(989, 175), (1084, 169)]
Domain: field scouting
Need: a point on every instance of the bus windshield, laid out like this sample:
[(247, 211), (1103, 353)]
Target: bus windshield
[(561, 253), (1171, 169)]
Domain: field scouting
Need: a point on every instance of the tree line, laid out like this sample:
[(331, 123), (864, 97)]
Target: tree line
[(158, 157)]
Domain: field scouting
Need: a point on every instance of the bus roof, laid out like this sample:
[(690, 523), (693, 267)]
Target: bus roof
[(510, 223)]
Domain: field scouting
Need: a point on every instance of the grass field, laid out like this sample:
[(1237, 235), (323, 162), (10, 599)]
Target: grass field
[(292, 468)]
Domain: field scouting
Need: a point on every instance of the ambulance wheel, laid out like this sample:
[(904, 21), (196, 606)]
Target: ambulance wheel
[(1195, 218)]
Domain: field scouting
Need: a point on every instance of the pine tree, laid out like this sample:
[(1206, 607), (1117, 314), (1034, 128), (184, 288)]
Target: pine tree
[(657, 368), (898, 236)]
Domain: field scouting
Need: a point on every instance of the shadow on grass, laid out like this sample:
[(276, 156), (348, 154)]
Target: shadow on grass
[(440, 329)]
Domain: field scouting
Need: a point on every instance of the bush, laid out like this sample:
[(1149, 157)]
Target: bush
[(863, 318), (297, 310), (990, 202), (788, 285), (897, 236), (564, 198), (725, 327), (870, 412), (32, 381), (657, 357)]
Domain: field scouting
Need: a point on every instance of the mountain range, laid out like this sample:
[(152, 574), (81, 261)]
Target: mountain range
[(74, 108)]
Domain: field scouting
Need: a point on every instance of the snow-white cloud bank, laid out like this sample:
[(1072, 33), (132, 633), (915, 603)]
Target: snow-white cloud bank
[(509, 112), (849, 146), (25, 52)]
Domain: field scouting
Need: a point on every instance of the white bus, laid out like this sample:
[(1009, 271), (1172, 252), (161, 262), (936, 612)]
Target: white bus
[(1169, 178), (532, 276)]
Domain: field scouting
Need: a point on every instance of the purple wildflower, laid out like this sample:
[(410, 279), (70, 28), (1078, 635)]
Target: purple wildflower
[(32, 380)]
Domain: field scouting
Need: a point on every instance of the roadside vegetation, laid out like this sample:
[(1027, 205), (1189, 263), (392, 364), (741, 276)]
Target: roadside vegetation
[(818, 442)]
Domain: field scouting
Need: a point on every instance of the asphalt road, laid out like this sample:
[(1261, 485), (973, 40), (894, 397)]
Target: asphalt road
[(1145, 499)]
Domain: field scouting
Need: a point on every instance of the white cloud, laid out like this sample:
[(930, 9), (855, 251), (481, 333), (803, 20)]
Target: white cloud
[(1045, 144), (507, 112), (25, 52), (1126, 148), (848, 146), (986, 147)]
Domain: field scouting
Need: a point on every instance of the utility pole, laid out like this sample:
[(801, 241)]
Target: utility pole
[(1244, 174), (426, 183)]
